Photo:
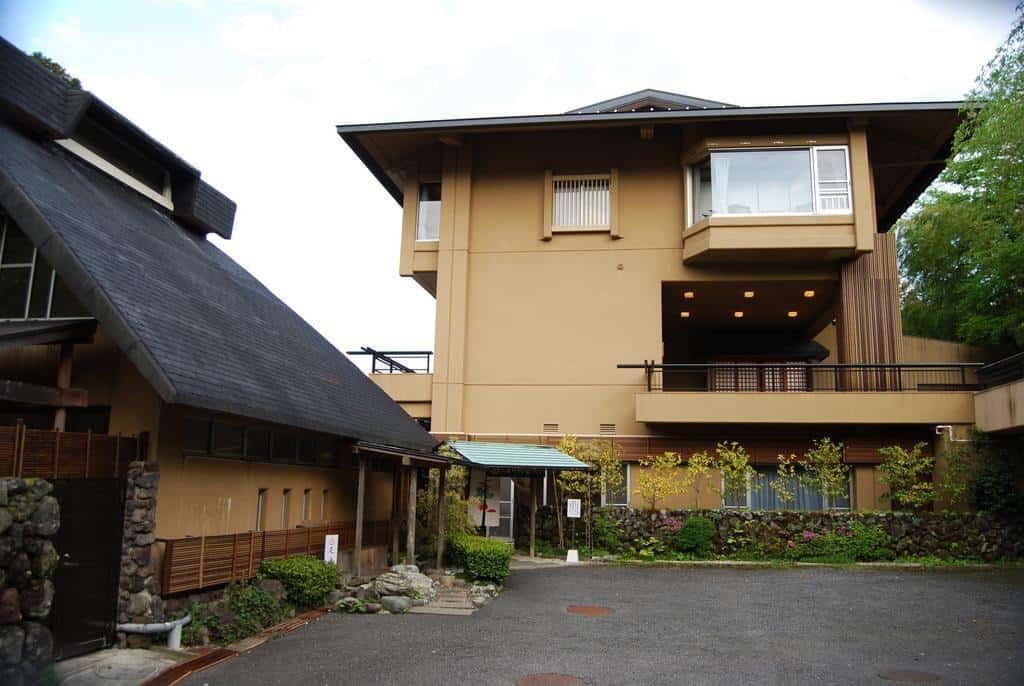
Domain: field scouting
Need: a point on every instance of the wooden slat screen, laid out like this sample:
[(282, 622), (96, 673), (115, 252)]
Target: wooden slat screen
[(199, 562), (50, 454)]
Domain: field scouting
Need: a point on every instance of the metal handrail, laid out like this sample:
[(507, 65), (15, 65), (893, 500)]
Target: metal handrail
[(396, 361), (851, 376)]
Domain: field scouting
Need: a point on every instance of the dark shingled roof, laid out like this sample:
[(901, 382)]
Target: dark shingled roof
[(202, 330)]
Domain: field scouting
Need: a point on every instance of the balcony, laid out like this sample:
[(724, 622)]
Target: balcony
[(1000, 407), (405, 375), (800, 393), (770, 238)]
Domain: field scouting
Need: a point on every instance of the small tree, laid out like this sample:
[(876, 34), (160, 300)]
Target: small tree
[(605, 474), (908, 475), (822, 469), (698, 474), (960, 473), (782, 482), (733, 462), (659, 478)]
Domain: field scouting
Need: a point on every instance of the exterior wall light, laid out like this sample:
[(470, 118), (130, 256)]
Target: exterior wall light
[(748, 294), (738, 314), (684, 314), (808, 294), (688, 295), (791, 313)]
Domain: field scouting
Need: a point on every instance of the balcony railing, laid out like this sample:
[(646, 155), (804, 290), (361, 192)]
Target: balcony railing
[(396, 361), (1003, 371), (802, 377)]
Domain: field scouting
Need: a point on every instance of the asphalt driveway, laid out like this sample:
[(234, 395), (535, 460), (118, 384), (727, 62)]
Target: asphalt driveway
[(676, 626)]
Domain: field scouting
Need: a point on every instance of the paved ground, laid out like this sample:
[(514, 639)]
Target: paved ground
[(675, 626), (113, 667)]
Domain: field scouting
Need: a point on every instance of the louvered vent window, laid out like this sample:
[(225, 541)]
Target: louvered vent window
[(551, 428), (581, 202), (607, 430)]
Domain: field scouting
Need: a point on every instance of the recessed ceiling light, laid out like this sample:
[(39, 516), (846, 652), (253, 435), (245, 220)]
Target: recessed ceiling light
[(808, 294), (688, 295), (738, 314), (791, 313), (684, 314), (748, 294)]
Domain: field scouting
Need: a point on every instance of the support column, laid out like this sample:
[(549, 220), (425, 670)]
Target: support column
[(396, 512), (442, 505), (534, 487), (357, 553), (67, 353), (410, 534)]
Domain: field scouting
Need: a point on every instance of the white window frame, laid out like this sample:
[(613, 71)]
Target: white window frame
[(826, 506), (261, 506), (286, 501), (604, 494), (419, 188), (691, 194), (323, 505), (577, 227), (307, 504)]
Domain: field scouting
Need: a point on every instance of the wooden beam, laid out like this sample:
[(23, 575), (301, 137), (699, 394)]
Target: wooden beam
[(442, 505), (410, 533), (534, 487), (67, 356), (34, 394), (357, 553)]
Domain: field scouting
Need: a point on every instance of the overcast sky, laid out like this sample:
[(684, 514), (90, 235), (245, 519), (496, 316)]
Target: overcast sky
[(249, 93)]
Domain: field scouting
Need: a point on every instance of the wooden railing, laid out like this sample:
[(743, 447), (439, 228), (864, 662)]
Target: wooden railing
[(50, 454), (198, 562)]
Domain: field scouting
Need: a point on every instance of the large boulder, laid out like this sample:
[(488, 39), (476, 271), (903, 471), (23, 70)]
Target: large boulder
[(38, 648), (37, 599), (45, 520), (407, 583), (10, 606), (12, 641), (396, 604)]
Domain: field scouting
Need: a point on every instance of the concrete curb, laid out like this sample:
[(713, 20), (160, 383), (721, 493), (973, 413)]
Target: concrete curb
[(780, 563)]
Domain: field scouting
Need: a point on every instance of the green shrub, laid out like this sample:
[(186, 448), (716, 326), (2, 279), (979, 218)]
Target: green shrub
[(607, 531), (245, 610), (855, 543), (486, 559), (306, 580), (694, 536)]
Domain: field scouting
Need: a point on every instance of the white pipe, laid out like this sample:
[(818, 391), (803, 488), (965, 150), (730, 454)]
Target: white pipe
[(948, 428), (172, 629)]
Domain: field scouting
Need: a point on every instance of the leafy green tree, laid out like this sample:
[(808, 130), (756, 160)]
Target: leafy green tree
[(822, 469), (56, 68), (908, 474), (962, 249), (659, 478)]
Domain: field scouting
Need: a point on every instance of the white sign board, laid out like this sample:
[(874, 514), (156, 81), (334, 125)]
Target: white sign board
[(483, 499), (572, 508), (331, 548)]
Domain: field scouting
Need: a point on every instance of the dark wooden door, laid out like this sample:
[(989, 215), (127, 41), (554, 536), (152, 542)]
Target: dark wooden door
[(89, 544)]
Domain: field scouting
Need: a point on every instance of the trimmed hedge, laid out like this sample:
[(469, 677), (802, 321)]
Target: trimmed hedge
[(486, 559), (695, 536), (306, 579)]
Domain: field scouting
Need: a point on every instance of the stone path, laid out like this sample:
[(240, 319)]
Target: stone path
[(449, 601)]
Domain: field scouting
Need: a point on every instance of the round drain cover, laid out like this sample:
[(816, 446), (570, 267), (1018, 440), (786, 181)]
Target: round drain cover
[(589, 610), (909, 676), (550, 680)]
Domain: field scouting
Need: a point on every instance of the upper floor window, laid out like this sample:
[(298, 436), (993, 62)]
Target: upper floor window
[(428, 212), (581, 202), (813, 180), (29, 287)]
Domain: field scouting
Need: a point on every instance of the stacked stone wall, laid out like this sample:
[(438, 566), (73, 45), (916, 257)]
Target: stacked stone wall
[(139, 600)]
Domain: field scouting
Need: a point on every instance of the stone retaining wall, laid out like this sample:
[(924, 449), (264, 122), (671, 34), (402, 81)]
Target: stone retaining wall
[(29, 517), (138, 600)]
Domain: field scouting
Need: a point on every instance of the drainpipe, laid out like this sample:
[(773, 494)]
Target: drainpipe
[(948, 430), (172, 629)]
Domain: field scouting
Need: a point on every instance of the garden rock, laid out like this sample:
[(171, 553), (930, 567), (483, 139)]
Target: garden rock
[(38, 647), (367, 592), (372, 608), (274, 588), (12, 641), (333, 597), (396, 604), (407, 583), (10, 606), (37, 599)]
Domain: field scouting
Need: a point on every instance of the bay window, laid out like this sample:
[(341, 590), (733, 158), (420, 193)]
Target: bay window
[(814, 180)]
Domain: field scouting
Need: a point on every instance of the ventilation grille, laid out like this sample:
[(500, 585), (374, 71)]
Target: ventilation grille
[(581, 201), (551, 428), (607, 430)]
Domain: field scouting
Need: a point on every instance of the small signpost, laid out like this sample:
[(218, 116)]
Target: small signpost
[(331, 548), (572, 511)]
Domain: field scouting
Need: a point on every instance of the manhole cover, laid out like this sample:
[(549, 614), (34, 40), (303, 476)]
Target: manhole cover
[(550, 680), (909, 676), (589, 610)]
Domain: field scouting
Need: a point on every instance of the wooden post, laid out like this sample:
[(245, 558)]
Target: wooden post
[(534, 485), (67, 353), (252, 551), (234, 553), (202, 554), (410, 534), (396, 503), (357, 548), (442, 504)]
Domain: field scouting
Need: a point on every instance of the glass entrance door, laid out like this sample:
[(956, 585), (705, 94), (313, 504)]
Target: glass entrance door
[(506, 507)]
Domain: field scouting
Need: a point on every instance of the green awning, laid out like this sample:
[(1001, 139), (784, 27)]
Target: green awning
[(515, 456)]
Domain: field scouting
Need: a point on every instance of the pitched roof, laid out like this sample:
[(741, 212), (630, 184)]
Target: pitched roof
[(650, 99), (515, 456), (202, 330)]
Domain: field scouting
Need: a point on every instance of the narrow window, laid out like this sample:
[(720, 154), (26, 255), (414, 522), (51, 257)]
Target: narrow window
[(581, 202), (323, 506), (261, 509), (833, 179), (286, 500), (307, 505), (428, 212)]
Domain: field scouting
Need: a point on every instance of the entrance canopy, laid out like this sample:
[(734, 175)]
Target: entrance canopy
[(515, 459)]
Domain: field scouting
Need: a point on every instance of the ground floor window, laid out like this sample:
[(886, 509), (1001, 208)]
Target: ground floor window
[(761, 496)]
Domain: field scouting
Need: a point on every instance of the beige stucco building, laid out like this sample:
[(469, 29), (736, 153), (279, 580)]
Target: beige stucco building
[(669, 272)]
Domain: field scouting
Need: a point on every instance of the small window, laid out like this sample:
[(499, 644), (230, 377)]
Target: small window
[(428, 212), (29, 287), (197, 436), (285, 446), (307, 450), (619, 495), (257, 443), (261, 509), (832, 174), (286, 506), (581, 202), (323, 506), (307, 505), (228, 439)]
